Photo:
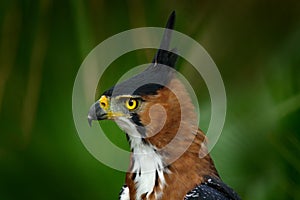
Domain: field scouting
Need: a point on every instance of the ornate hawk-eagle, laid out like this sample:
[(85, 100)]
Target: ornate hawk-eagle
[(168, 160)]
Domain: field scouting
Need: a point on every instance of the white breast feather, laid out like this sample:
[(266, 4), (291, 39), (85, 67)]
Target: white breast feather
[(125, 193), (146, 161)]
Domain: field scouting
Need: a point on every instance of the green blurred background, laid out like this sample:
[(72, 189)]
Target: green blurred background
[(255, 44)]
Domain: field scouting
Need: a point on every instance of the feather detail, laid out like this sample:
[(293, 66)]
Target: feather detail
[(177, 143)]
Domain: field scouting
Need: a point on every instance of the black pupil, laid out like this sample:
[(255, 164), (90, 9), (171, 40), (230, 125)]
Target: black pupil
[(130, 103)]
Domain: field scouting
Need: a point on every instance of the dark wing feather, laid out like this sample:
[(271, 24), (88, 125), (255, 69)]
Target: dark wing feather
[(212, 189)]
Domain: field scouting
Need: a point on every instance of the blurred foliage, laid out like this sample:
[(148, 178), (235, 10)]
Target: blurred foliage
[(255, 45)]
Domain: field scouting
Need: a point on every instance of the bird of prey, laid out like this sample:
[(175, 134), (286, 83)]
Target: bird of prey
[(156, 112)]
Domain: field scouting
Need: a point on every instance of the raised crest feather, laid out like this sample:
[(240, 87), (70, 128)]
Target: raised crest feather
[(163, 55)]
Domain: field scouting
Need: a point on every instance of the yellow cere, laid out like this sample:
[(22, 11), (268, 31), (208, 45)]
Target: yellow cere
[(104, 102)]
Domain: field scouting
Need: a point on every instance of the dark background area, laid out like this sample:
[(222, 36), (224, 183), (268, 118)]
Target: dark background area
[(255, 44)]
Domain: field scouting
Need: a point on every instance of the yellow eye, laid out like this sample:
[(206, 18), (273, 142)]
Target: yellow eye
[(131, 104)]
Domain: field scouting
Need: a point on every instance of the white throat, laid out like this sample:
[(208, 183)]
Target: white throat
[(149, 169), (147, 163)]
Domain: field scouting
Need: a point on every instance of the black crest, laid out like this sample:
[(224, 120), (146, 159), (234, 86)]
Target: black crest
[(163, 56), (158, 74)]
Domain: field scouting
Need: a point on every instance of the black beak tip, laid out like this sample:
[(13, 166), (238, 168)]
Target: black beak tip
[(92, 115), (90, 120), (96, 113)]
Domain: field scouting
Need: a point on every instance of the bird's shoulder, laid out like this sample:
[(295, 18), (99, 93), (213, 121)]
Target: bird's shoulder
[(212, 189)]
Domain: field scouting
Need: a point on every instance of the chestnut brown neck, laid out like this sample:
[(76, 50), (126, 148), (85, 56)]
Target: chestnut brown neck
[(172, 132)]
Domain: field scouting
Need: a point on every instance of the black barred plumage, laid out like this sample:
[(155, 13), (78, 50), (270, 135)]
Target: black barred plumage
[(212, 189)]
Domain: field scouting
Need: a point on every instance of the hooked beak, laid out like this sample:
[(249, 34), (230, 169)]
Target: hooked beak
[(96, 113)]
